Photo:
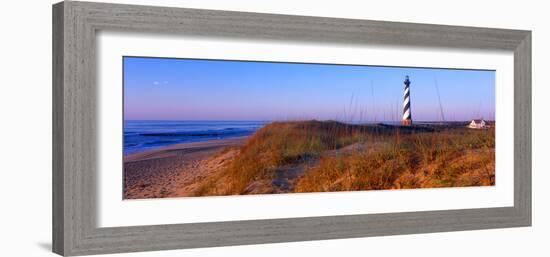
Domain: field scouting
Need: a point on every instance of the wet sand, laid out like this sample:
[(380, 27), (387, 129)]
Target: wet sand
[(174, 170)]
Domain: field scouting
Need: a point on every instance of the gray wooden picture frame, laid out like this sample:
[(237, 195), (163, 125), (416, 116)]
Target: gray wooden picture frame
[(75, 25)]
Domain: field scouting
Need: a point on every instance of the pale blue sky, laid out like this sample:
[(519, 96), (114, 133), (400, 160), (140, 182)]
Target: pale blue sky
[(187, 89)]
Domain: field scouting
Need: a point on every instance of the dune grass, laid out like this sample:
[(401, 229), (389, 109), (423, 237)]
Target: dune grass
[(343, 157), (448, 158)]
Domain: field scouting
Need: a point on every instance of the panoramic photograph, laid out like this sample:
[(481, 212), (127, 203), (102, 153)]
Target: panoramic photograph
[(197, 127)]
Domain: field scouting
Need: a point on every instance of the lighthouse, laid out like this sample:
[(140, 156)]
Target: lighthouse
[(407, 120)]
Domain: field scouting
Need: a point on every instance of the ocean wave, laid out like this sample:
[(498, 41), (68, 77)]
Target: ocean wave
[(195, 134), (143, 135)]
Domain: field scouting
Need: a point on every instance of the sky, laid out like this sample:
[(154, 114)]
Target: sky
[(191, 89)]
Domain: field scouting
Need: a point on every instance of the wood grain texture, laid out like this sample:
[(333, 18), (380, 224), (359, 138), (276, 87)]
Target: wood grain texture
[(75, 25), (57, 124), (522, 128)]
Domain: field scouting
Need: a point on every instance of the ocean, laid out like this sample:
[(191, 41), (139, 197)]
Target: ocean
[(142, 135)]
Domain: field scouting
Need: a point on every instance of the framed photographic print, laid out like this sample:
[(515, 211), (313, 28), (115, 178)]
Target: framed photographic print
[(182, 128)]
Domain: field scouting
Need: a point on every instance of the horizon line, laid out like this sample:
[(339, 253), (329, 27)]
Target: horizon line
[(289, 120)]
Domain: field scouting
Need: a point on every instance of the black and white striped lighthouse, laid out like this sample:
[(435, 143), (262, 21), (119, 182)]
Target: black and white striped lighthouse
[(407, 120)]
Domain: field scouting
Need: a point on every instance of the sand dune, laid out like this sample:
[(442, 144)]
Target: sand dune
[(313, 156)]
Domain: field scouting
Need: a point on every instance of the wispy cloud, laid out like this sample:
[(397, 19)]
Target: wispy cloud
[(156, 83)]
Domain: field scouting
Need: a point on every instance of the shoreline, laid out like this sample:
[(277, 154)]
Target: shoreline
[(173, 171), (188, 148)]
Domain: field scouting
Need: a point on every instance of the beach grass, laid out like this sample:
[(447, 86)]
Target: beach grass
[(321, 156), (449, 158)]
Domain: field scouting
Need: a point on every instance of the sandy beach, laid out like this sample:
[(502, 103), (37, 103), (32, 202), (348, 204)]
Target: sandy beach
[(173, 171)]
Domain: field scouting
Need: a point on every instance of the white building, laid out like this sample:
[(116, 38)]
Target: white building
[(477, 124)]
